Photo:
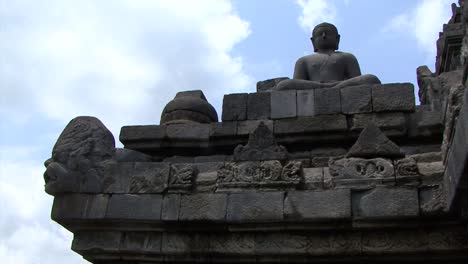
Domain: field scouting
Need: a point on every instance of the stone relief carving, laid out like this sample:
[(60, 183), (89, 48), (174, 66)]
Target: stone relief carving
[(356, 168), (261, 146), (79, 157), (406, 167), (182, 177), (262, 172)]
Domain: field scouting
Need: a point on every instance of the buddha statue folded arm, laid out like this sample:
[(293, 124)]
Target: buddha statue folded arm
[(327, 67)]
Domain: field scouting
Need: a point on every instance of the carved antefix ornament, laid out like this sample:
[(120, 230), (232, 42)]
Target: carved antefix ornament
[(261, 146)]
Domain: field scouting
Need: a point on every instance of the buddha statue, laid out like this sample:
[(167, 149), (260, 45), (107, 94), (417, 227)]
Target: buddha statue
[(327, 67)]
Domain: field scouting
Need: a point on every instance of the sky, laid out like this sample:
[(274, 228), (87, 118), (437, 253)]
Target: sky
[(122, 61)]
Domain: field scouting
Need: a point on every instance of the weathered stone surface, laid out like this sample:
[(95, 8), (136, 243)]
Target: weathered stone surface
[(317, 205), (178, 242), (223, 129), (170, 207), (326, 123), (136, 133), (203, 206), (356, 99), (96, 206), (182, 177), (393, 124), (381, 242), (393, 97), (135, 206), (149, 177), (355, 168), (69, 206), (372, 143), (283, 104), (247, 127), (258, 106), (453, 105), (432, 200), (261, 146), (255, 206), (79, 157), (327, 101), (108, 241), (232, 243), (431, 172), (117, 177), (305, 103), (386, 202), (191, 131), (129, 155), (313, 178), (425, 123), (234, 107), (141, 242), (252, 174), (189, 106), (269, 84)]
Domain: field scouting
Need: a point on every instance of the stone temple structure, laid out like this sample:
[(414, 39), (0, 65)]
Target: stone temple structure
[(337, 171)]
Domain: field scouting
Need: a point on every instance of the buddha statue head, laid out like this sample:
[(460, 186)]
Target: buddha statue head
[(325, 37)]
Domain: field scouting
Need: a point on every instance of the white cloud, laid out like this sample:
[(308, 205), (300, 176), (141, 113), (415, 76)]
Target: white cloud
[(424, 22), (121, 61), (315, 12), (27, 235)]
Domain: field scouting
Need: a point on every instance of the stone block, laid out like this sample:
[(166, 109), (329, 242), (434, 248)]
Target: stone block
[(203, 207), (431, 172), (432, 200), (386, 203), (186, 243), (258, 106), (234, 107), (135, 207), (138, 133), (191, 131), (393, 97), (255, 207), (283, 104), (103, 241), (326, 123), (356, 99), (247, 127), (318, 205), (391, 241), (424, 123), (305, 103), (149, 177), (117, 177), (313, 178), (223, 129), (69, 206), (141, 242), (327, 101), (97, 206), (232, 243), (170, 207), (392, 124)]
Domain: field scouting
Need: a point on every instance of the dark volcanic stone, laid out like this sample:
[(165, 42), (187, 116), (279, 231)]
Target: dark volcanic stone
[(372, 143), (283, 104), (325, 123), (356, 99), (234, 107), (327, 101), (393, 97), (269, 84), (258, 106), (135, 206), (189, 106), (386, 202), (203, 206), (305, 103), (255, 206), (318, 205)]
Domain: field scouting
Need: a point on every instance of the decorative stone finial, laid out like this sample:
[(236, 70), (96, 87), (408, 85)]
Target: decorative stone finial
[(189, 106)]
